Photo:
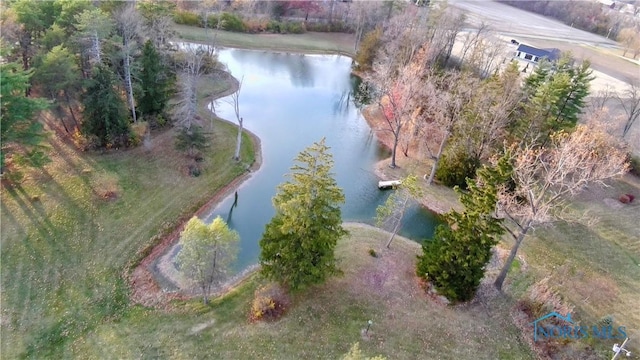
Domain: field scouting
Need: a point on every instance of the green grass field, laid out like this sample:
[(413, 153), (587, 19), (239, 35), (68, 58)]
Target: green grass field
[(65, 246), (325, 321), (311, 42), (592, 259)]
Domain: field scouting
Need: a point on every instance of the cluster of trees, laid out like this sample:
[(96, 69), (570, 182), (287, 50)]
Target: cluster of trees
[(107, 70), (100, 68), (298, 244), (511, 146), (629, 37), (585, 15)]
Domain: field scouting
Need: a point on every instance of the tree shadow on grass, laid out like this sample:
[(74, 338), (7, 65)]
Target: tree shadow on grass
[(40, 221)]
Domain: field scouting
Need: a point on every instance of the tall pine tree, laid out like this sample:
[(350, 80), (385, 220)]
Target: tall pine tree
[(297, 247), (105, 114), (454, 260), (555, 98), (20, 132), (154, 80)]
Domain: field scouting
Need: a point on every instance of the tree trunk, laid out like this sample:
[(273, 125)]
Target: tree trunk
[(437, 158), (238, 143), (62, 119), (96, 47), (127, 78), (332, 4), (359, 31), (399, 222), (205, 298), (512, 255), (394, 150), (73, 115)]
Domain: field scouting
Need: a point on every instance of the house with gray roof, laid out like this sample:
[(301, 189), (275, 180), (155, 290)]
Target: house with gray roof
[(533, 55)]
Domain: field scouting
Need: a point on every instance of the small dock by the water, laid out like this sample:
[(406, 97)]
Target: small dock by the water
[(391, 184)]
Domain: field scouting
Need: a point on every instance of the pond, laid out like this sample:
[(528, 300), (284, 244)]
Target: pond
[(290, 101)]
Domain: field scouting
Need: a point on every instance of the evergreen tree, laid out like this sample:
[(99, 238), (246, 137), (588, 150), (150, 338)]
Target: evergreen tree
[(555, 97), (454, 260), (105, 114), (154, 81), (297, 246), (59, 78), (20, 131)]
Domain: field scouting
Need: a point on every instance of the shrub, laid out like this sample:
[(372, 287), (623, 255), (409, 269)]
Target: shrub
[(187, 18), (626, 198), (274, 26), (373, 253), (212, 21), (317, 26), (455, 167), (336, 26), (232, 22), (269, 303), (367, 50), (294, 27), (195, 170), (634, 165), (544, 299), (138, 132), (256, 25)]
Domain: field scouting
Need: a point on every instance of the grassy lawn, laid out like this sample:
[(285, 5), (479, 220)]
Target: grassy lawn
[(310, 42), (593, 260), (64, 245), (406, 324)]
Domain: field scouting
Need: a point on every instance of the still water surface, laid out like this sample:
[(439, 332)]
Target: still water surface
[(290, 101)]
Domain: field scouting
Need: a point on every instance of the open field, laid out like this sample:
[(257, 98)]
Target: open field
[(69, 230), (406, 324), (311, 42), (593, 258)]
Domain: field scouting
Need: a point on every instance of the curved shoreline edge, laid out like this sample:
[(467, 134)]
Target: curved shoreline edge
[(142, 283), (144, 287), (246, 274)]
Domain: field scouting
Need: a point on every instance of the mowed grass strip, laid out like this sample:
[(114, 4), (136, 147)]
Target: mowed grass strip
[(324, 321), (70, 228), (311, 42)]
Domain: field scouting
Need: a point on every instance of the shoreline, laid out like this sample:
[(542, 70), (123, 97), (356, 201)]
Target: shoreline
[(145, 290), (384, 172), (282, 50)]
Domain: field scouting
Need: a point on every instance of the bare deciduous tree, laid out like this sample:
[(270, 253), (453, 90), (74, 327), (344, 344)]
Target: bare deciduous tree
[(446, 99), (186, 108), (546, 177), (390, 214), (235, 101), (444, 25), (396, 97), (598, 102), (492, 108), (403, 36), (93, 27), (473, 39), (130, 29), (630, 103)]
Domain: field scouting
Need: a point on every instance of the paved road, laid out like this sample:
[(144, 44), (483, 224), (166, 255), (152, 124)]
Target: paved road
[(509, 20)]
